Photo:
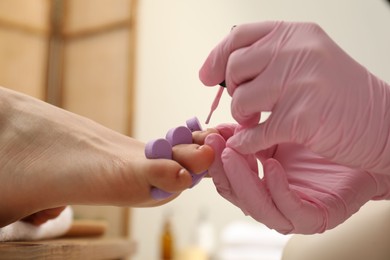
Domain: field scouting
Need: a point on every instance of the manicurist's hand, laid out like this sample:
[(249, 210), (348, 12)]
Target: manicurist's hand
[(319, 97), (301, 192)]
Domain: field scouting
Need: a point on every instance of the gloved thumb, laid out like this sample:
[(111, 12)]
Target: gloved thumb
[(217, 171), (251, 140), (217, 143)]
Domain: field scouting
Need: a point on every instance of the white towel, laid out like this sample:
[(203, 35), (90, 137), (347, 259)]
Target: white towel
[(56, 227)]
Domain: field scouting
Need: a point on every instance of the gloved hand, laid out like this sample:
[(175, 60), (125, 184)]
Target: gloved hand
[(301, 192), (318, 95)]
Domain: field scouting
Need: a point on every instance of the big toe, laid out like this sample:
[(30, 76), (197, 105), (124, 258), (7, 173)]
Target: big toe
[(195, 158)]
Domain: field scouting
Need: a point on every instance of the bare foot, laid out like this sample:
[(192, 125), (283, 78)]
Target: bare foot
[(50, 158)]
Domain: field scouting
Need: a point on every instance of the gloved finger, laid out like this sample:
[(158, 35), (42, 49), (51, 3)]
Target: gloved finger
[(266, 154), (253, 97), (229, 130), (246, 105), (216, 170), (252, 193), (226, 130), (265, 135), (305, 213), (212, 71), (245, 64), (261, 91)]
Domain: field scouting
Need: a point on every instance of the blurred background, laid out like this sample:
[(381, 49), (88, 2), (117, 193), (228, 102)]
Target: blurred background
[(132, 65)]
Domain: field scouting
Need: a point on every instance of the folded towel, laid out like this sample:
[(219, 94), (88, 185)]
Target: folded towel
[(56, 227)]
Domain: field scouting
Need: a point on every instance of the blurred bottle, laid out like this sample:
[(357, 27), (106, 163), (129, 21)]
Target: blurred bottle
[(205, 234), (167, 246)]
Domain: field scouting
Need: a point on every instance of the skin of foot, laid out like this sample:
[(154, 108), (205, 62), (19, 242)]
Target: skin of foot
[(50, 158)]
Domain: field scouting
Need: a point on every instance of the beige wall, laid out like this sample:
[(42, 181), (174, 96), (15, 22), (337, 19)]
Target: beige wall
[(174, 38), (23, 46)]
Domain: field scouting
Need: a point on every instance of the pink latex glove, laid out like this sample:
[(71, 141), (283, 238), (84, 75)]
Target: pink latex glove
[(318, 95), (300, 192)]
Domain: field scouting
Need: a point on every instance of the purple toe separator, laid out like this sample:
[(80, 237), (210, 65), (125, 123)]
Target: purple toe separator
[(162, 149), (159, 149), (197, 177), (179, 135), (193, 124), (159, 194)]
